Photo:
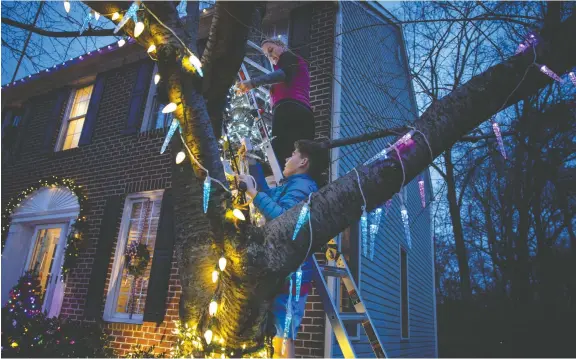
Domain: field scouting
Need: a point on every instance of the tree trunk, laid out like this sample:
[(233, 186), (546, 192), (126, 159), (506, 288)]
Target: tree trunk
[(463, 267), (258, 258)]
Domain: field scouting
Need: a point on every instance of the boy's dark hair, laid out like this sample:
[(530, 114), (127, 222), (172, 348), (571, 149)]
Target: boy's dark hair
[(317, 156)]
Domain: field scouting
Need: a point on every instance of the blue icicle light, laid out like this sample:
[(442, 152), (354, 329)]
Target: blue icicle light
[(173, 127), (298, 283), (406, 223), (288, 319), (364, 233), (181, 8), (86, 22), (206, 199), (130, 14), (302, 218), (375, 217)]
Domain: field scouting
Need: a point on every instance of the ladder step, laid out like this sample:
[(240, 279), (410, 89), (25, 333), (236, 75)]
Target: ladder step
[(332, 271), (353, 317)]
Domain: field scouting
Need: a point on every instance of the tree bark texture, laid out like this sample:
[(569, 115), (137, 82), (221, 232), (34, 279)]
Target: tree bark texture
[(259, 258)]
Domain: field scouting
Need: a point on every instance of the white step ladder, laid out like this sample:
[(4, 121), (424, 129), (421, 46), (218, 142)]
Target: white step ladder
[(336, 266)]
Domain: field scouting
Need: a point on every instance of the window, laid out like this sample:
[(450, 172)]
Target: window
[(404, 294), (350, 248), (153, 116), (74, 119), (126, 296)]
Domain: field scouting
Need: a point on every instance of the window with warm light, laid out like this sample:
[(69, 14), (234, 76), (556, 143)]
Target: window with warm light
[(73, 122), (127, 293)]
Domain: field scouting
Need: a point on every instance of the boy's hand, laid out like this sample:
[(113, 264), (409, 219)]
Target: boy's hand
[(242, 87), (250, 185)]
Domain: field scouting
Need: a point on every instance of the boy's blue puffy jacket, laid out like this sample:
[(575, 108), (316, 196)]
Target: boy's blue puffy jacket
[(272, 202)]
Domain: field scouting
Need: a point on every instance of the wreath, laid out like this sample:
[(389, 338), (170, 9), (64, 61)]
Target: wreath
[(79, 226), (137, 259)]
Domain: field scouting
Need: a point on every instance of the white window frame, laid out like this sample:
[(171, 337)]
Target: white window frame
[(146, 125), (110, 314), (66, 120), (402, 248)]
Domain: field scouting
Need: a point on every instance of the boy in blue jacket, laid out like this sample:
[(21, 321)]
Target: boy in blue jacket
[(302, 172)]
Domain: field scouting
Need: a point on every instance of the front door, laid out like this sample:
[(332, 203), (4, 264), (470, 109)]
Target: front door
[(45, 259)]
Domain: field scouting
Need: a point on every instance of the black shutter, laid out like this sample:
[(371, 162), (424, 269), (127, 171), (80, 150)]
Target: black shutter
[(22, 128), (54, 120), (106, 239), (161, 263), (299, 37), (92, 114), (139, 93)]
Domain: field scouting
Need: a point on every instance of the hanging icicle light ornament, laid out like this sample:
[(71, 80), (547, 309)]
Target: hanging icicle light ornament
[(214, 276), (498, 134), (288, 319), (422, 192), (222, 263), (298, 283), (206, 194), (375, 217), (208, 336), (546, 71), (181, 8), (96, 15), (213, 308), (86, 22), (572, 77), (173, 127), (363, 218), (130, 14), (67, 6), (302, 217), (405, 219), (156, 79), (180, 157), (531, 40), (121, 42)]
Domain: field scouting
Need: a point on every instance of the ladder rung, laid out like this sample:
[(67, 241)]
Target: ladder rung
[(334, 271), (352, 317)]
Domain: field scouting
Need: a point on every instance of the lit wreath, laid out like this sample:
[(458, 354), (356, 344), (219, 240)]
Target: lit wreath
[(77, 230)]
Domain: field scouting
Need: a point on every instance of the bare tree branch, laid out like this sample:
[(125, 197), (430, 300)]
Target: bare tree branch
[(43, 32)]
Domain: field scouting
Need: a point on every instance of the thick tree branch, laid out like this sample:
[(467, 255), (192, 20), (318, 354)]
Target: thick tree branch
[(43, 32), (365, 137)]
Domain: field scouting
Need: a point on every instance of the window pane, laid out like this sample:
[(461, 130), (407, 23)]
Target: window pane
[(142, 228), (81, 101), (73, 133), (404, 291), (43, 253)]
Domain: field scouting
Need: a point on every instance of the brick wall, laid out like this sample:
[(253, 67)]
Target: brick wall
[(310, 340), (119, 164)]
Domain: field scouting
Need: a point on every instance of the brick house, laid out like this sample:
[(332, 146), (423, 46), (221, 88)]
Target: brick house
[(95, 120)]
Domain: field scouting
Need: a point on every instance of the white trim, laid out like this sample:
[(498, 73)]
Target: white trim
[(333, 284), (149, 99), (402, 248), (110, 314)]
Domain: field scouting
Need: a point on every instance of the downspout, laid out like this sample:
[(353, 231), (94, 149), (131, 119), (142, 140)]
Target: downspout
[(333, 283)]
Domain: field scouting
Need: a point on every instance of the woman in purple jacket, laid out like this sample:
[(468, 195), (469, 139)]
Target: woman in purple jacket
[(289, 95)]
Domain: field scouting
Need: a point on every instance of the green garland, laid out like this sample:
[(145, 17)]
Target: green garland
[(78, 228)]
